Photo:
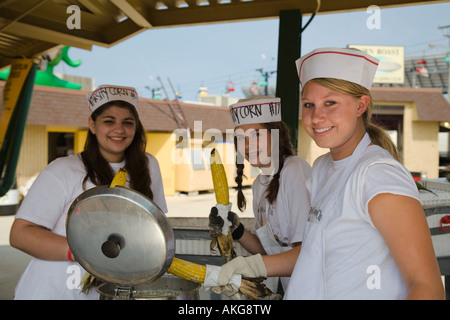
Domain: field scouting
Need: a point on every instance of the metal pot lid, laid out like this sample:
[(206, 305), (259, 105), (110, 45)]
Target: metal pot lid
[(120, 236)]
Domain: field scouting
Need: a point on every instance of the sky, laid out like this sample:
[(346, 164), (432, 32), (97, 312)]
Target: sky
[(215, 54)]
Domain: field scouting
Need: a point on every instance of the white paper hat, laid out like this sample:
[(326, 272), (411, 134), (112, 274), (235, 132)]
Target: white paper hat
[(258, 110), (106, 93), (346, 64)]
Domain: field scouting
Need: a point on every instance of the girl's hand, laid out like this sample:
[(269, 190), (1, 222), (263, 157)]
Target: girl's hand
[(251, 267)]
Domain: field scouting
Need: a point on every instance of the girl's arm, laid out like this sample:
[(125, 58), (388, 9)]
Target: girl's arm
[(38, 241), (402, 223), (281, 264), (251, 243)]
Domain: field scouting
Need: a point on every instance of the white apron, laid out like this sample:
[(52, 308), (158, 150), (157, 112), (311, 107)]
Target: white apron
[(308, 278)]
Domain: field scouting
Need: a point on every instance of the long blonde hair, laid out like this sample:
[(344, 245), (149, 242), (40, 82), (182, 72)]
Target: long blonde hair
[(377, 134)]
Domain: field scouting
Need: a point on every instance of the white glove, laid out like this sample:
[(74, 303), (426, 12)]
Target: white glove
[(251, 267), (223, 213), (230, 289)]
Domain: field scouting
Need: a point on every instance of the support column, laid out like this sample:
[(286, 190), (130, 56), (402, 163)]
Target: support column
[(289, 44)]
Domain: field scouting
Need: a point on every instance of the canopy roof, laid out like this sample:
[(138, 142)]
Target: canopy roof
[(29, 28)]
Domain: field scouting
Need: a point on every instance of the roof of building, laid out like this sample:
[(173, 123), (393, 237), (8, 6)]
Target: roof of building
[(430, 103), (65, 107)]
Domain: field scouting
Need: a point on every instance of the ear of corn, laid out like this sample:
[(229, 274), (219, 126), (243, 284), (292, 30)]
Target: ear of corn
[(119, 179), (223, 242), (219, 179), (188, 270)]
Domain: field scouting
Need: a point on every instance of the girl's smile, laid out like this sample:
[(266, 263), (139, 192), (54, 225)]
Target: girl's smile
[(322, 130)]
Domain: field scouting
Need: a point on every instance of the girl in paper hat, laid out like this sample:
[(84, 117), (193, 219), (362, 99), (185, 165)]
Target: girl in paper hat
[(366, 235), (116, 139), (280, 198)]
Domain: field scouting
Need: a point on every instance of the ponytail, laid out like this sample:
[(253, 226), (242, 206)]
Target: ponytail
[(379, 137), (285, 150), (241, 201)]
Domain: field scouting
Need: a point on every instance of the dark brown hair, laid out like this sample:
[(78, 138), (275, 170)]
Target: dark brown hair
[(98, 169), (285, 150)]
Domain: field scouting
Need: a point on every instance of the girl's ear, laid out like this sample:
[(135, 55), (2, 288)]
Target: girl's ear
[(91, 125), (363, 103)]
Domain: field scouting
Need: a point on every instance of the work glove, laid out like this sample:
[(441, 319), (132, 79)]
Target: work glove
[(249, 267), (231, 289), (240, 277), (217, 224)]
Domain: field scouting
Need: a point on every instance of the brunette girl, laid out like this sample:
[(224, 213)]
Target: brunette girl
[(280, 197), (116, 139)]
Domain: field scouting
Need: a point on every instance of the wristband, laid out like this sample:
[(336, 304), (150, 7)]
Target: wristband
[(69, 255), (237, 234)]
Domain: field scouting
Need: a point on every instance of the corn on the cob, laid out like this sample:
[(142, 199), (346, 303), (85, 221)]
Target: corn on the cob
[(219, 179), (188, 270), (119, 179), (224, 242)]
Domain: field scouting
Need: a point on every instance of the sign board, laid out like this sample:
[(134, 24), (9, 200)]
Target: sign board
[(392, 62)]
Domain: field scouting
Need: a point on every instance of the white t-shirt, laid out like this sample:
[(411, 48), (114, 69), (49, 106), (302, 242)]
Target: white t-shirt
[(357, 262), (287, 215), (47, 204)]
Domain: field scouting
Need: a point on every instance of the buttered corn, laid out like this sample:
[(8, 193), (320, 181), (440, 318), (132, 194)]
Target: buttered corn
[(219, 179), (119, 179), (224, 242), (188, 270)]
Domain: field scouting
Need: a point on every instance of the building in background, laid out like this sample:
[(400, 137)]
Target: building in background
[(415, 113), (57, 126)]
